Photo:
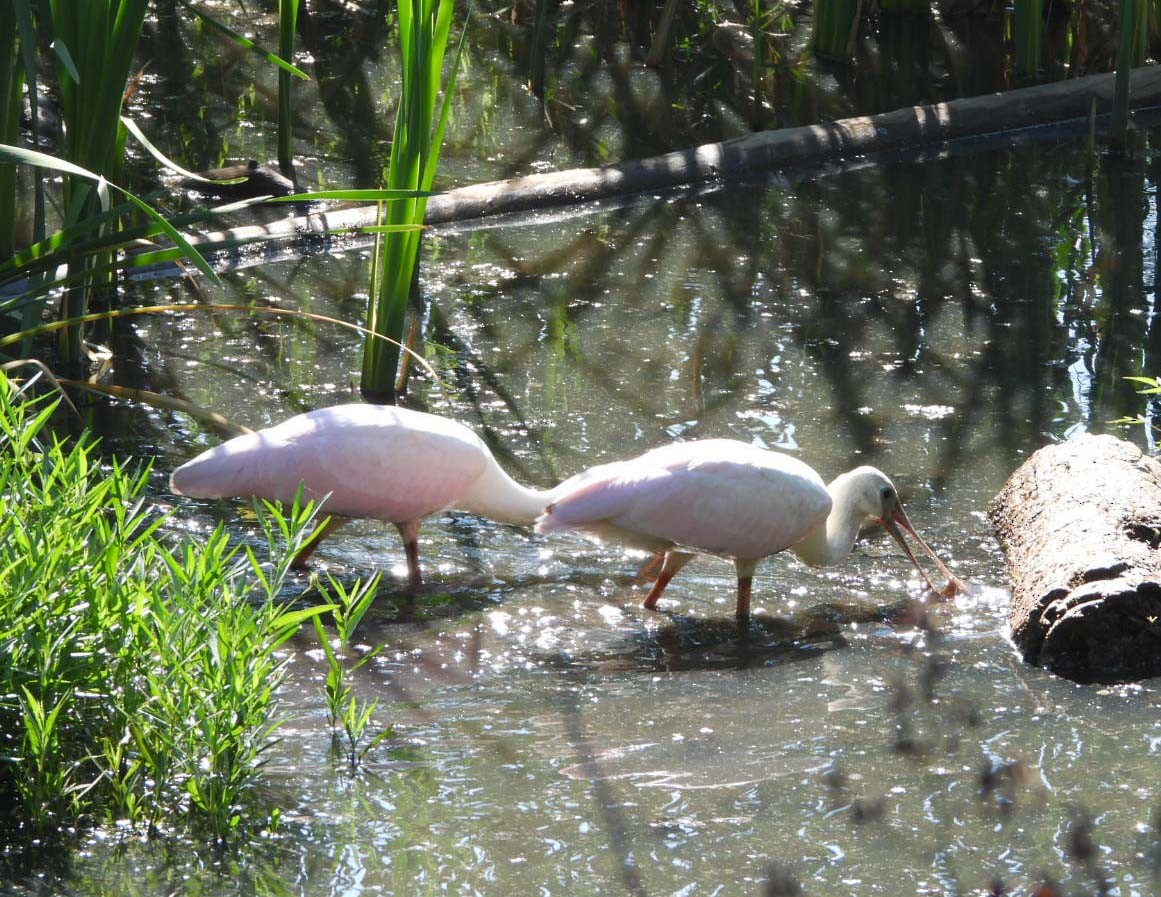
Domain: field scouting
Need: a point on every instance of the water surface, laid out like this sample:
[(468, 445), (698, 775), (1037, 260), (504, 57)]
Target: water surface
[(940, 318), (554, 738)]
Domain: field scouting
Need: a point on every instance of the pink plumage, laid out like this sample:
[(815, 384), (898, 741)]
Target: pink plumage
[(374, 461), (727, 498), (715, 496)]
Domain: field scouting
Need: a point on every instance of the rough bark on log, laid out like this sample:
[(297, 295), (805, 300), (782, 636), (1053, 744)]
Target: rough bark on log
[(745, 157), (1080, 525)]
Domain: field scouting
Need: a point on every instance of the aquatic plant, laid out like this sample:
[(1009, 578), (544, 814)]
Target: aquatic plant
[(1027, 34), (88, 248), (424, 27), (758, 70), (835, 24), (287, 20), (95, 45), (538, 48), (1132, 35), (349, 718), (11, 80), (138, 677), (1151, 387)]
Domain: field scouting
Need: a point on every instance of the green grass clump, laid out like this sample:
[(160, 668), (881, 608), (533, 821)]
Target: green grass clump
[(137, 679), (350, 719)]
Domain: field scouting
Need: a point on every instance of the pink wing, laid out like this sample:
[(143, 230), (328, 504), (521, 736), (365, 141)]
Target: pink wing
[(716, 496), (373, 461)]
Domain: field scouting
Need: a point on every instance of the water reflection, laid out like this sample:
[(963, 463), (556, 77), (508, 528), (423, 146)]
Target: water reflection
[(940, 318)]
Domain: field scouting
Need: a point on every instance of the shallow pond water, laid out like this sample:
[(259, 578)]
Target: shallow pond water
[(552, 737), (940, 318)]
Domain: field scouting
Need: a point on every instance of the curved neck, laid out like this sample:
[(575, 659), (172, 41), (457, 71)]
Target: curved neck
[(831, 542), (499, 497)]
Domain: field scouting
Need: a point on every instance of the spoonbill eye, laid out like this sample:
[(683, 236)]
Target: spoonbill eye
[(887, 493)]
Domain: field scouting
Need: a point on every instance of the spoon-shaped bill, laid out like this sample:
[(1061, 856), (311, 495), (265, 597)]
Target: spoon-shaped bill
[(898, 520)]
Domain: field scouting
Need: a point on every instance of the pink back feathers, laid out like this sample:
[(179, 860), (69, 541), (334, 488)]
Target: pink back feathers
[(375, 461)]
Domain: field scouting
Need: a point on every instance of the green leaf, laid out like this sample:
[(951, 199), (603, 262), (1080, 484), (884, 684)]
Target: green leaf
[(246, 42), (23, 156), (174, 234), (62, 52), (132, 127), (42, 160), (1152, 384)]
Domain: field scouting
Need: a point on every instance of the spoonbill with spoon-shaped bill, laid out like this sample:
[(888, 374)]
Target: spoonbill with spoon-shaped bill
[(377, 461), (733, 500)]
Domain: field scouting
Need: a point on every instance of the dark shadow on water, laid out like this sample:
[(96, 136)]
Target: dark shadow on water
[(644, 641), (692, 643), (684, 643)]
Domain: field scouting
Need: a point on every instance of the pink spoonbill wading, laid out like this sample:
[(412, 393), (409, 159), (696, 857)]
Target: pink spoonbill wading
[(376, 461), (733, 500)]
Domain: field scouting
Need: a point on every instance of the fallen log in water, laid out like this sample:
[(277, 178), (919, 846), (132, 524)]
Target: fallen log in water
[(746, 157), (1080, 525)]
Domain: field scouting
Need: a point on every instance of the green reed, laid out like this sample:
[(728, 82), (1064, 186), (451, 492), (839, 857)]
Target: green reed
[(835, 24), (95, 43), (11, 80), (1027, 35), (138, 677), (87, 248), (19, 34), (538, 48), (1132, 40), (424, 27), (287, 22), (94, 47)]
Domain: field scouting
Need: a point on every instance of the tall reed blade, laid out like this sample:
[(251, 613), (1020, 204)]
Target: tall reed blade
[(95, 42), (758, 75), (287, 22), (424, 26), (1028, 30), (26, 28), (11, 79), (1132, 29), (836, 23), (538, 48)]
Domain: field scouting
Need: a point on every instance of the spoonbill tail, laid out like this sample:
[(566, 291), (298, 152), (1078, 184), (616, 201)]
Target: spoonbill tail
[(377, 461), (734, 500)]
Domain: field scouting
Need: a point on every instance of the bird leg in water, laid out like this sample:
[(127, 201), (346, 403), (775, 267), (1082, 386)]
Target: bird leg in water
[(674, 561), (409, 532), (300, 560), (745, 581), (651, 569), (742, 612)]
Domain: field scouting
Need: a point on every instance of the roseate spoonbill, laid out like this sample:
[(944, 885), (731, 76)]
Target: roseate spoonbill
[(377, 461), (727, 498)]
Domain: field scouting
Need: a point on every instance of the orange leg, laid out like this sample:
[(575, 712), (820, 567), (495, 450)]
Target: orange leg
[(409, 531), (651, 568), (745, 580), (674, 561), (300, 560)]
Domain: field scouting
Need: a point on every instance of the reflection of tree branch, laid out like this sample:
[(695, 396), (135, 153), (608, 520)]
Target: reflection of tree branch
[(1121, 332), (615, 825)]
